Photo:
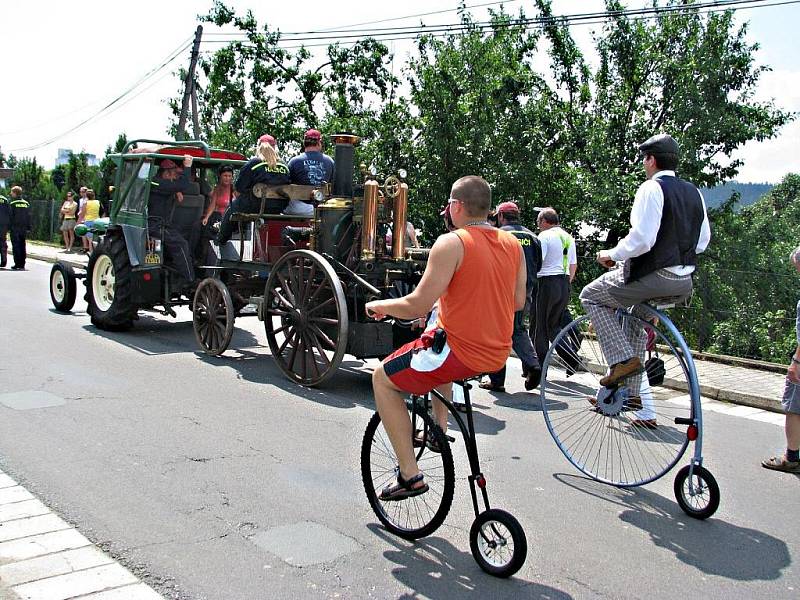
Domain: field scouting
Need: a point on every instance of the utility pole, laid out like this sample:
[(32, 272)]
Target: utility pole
[(188, 88), (195, 116)]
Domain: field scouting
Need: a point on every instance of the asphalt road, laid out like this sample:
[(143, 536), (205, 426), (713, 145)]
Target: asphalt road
[(218, 478)]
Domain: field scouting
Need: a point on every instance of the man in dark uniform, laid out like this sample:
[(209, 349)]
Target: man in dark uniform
[(167, 187), (5, 222), (312, 167), (508, 220), (20, 226)]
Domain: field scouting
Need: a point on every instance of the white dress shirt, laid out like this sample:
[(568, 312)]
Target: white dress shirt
[(648, 206)]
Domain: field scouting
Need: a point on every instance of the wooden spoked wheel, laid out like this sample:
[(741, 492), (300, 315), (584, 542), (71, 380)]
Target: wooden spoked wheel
[(213, 316), (305, 317)]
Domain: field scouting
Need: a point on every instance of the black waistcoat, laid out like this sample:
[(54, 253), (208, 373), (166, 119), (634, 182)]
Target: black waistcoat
[(678, 233)]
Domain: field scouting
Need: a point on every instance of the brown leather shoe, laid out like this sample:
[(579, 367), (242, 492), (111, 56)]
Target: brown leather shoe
[(621, 370), (644, 423)]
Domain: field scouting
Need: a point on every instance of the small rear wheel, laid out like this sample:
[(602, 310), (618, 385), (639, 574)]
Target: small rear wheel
[(418, 516), (62, 287), (697, 495), (498, 543), (213, 316)]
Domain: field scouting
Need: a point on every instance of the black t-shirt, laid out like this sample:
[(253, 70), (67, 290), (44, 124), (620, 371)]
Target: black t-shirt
[(258, 171), (162, 193)]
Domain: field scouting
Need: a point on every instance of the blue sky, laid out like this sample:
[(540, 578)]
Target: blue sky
[(61, 69)]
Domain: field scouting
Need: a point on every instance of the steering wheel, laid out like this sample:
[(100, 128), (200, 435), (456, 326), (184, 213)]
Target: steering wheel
[(391, 186)]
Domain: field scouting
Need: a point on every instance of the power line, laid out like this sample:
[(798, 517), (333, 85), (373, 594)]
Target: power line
[(115, 101), (386, 33)]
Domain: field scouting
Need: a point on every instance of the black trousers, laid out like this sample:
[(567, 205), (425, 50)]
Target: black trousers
[(176, 251), (3, 245), (18, 247), (551, 301)]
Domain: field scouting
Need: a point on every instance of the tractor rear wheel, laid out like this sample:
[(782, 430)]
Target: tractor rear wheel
[(109, 285)]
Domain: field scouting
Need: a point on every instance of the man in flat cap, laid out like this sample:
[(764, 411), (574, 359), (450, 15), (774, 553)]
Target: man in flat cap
[(669, 228)]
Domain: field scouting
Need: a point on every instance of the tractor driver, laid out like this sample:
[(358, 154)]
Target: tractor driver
[(167, 187)]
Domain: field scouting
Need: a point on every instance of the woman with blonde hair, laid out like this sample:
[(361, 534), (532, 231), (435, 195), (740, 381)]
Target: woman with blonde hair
[(90, 211), (68, 210), (265, 167)]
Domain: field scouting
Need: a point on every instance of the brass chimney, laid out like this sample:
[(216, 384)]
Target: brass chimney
[(369, 224), (399, 223)]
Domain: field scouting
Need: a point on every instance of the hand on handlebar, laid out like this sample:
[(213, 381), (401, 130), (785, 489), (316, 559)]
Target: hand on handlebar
[(605, 260), (373, 311)]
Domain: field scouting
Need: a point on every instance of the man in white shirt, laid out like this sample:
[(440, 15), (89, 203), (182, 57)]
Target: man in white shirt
[(669, 228), (559, 263)]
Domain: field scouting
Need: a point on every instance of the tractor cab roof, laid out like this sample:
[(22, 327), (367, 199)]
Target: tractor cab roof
[(200, 151)]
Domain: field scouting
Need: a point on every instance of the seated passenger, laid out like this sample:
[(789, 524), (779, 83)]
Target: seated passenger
[(312, 167), (267, 168), (168, 187), (220, 197)]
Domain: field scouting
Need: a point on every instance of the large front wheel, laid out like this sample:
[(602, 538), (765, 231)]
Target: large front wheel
[(417, 516), (628, 435), (305, 317)]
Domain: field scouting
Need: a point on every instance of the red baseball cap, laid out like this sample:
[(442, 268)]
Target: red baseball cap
[(312, 134), (268, 139), (507, 207), (167, 164)]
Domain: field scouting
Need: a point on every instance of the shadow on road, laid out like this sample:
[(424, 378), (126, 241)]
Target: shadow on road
[(434, 568), (713, 546)]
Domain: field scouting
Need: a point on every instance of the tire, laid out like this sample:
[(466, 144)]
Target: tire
[(595, 427), (109, 286), (418, 516), (704, 502), (498, 543), (62, 287), (213, 316), (305, 317)]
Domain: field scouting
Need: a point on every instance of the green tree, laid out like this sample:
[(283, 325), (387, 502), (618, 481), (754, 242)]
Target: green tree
[(687, 73), (255, 86), (108, 169)]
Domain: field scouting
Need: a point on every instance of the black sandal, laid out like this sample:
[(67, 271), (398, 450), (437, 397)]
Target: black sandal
[(404, 488), (430, 441)]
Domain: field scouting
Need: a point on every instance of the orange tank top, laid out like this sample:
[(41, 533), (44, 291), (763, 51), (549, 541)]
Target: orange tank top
[(477, 310)]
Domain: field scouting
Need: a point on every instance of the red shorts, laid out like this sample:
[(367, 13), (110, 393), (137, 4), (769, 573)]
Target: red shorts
[(416, 369)]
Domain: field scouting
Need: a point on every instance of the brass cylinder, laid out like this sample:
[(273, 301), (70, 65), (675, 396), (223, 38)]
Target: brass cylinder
[(399, 223), (369, 224)]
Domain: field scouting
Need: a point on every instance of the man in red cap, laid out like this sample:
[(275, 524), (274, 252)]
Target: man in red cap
[(166, 188), (507, 214), (312, 167)]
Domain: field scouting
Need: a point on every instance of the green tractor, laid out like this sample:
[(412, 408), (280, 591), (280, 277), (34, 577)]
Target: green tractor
[(126, 271)]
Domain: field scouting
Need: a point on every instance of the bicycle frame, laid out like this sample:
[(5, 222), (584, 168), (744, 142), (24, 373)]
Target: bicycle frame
[(467, 429), (694, 384)]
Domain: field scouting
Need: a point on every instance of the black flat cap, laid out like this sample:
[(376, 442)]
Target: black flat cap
[(660, 144)]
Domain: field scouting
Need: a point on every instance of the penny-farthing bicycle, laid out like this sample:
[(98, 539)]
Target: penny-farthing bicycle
[(612, 436), (497, 540)]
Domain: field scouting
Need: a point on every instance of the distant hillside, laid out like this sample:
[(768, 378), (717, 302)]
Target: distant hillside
[(750, 192)]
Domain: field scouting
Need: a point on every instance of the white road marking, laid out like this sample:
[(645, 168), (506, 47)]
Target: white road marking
[(43, 557)]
